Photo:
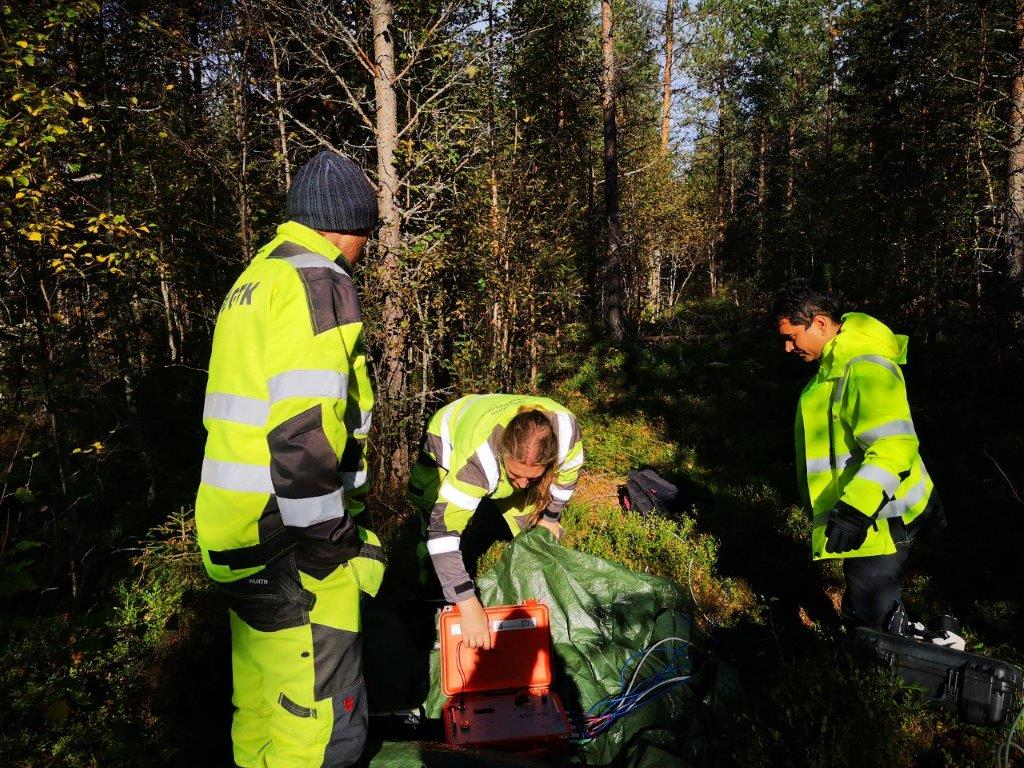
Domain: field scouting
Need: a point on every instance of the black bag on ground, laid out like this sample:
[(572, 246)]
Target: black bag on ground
[(979, 689), (647, 492)]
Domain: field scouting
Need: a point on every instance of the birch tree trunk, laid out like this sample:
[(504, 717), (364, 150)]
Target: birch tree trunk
[(282, 133), (382, 14), (613, 311)]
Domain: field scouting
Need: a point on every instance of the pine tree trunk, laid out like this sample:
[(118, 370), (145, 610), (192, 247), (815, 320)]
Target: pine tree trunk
[(499, 318), (762, 184), (790, 167), (242, 173), (830, 87), (666, 77), (1015, 165), (719, 245), (613, 310)]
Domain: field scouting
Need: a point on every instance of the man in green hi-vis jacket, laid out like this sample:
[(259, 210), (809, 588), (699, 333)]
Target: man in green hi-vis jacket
[(859, 470)]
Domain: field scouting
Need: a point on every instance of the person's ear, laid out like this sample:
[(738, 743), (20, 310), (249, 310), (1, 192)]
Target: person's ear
[(820, 323)]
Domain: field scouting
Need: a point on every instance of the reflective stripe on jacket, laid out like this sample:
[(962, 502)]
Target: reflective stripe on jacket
[(855, 439), (287, 413)]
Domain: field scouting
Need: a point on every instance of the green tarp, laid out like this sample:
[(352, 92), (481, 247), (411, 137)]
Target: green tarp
[(601, 614)]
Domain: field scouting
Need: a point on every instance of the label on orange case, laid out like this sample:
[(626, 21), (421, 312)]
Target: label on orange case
[(503, 625)]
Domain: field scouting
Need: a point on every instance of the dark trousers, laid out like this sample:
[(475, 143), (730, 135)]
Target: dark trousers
[(873, 587), (873, 583)]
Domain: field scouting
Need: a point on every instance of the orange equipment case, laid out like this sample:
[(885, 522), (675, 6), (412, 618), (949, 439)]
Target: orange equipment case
[(501, 699)]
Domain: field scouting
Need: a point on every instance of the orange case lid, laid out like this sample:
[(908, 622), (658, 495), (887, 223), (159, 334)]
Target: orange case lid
[(520, 657)]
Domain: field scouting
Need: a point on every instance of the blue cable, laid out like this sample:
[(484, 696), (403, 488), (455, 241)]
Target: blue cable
[(620, 705)]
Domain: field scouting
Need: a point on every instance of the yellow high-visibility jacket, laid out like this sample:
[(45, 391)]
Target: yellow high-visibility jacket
[(462, 443), (287, 413), (855, 439)]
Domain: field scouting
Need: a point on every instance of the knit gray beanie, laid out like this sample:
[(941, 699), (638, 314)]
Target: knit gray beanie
[(331, 193)]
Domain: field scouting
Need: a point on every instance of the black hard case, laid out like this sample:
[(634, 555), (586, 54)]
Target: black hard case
[(981, 690)]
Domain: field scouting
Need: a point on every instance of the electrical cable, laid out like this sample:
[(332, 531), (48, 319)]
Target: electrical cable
[(649, 651), (639, 692), (1005, 751)]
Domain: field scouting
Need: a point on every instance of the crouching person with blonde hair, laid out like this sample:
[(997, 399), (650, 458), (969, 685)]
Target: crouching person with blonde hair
[(522, 454)]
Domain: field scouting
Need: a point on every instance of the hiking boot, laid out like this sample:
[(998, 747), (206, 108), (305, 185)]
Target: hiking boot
[(945, 632), (948, 632)]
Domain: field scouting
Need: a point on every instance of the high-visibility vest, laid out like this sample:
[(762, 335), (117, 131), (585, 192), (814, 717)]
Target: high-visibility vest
[(855, 439), (287, 413), (464, 439)]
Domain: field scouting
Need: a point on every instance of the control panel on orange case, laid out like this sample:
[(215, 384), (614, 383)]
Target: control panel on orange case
[(500, 698), (503, 717)]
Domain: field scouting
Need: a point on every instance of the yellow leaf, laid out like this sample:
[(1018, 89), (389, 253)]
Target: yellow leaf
[(98, 446), (17, 96), (23, 43), (35, 237), (169, 87)]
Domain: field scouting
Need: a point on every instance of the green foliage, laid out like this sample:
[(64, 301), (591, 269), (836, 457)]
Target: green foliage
[(826, 713), (90, 686), (15, 564), (141, 163)]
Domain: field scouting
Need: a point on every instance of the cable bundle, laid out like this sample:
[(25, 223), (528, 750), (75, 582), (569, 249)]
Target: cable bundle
[(639, 692), (1005, 752)]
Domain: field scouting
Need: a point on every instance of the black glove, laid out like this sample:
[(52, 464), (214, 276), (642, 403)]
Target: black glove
[(846, 529)]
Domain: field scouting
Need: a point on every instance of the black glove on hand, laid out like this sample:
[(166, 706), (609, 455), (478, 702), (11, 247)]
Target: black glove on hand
[(846, 529)]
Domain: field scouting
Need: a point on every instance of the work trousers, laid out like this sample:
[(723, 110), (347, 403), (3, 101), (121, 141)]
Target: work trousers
[(873, 583), (296, 658), (873, 587)]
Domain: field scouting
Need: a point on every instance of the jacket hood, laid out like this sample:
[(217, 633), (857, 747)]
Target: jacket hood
[(863, 335)]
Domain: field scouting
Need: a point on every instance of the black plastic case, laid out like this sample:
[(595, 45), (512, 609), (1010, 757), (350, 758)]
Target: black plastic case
[(981, 690)]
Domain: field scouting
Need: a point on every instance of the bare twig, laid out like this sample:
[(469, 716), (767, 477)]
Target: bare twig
[(1006, 477)]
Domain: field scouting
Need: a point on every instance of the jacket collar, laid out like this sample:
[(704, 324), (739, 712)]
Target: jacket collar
[(860, 334), (313, 241)]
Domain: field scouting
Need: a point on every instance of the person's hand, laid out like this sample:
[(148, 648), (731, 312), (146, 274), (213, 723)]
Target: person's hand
[(475, 632), (552, 526), (846, 528)]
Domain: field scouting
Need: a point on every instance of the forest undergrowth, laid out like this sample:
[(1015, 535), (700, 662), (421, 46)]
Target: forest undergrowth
[(138, 672)]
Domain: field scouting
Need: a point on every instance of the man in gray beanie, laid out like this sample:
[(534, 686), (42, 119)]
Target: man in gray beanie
[(330, 193), (287, 413)]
